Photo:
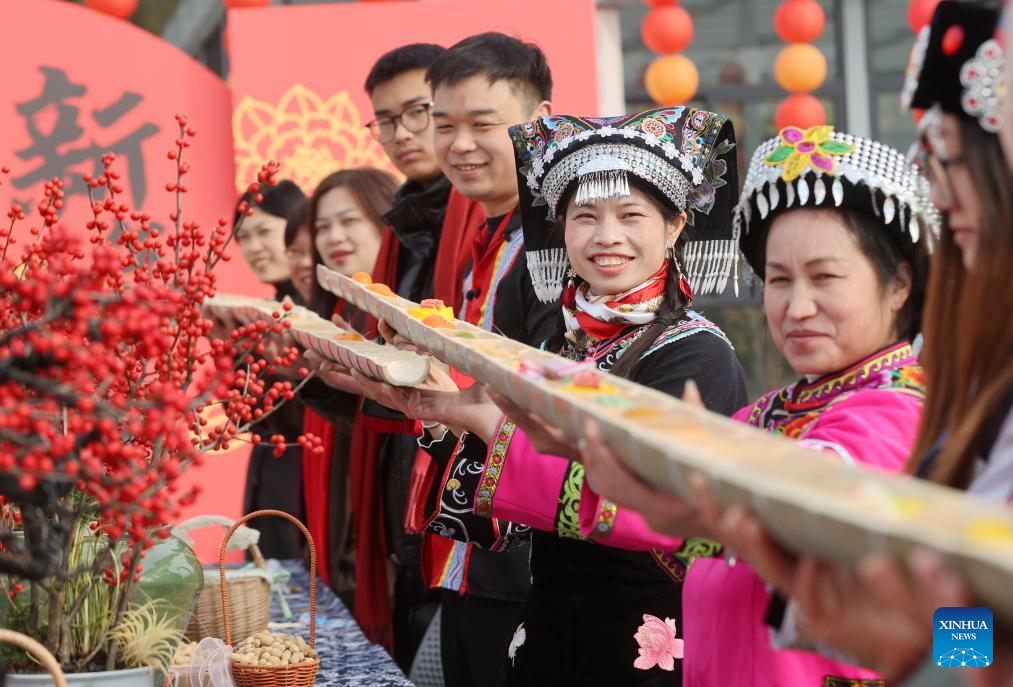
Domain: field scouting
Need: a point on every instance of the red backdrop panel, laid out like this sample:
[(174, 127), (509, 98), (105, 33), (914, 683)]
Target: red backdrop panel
[(81, 83), (298, 71)]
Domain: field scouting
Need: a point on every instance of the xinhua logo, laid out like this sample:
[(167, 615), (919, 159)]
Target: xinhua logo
[(962, 637)]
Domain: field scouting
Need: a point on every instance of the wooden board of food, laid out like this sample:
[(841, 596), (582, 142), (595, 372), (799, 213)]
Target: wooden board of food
[(348, 349), (810, 502)]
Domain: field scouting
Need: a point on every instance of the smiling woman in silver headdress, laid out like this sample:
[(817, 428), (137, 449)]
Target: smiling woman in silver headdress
[(624, 219)]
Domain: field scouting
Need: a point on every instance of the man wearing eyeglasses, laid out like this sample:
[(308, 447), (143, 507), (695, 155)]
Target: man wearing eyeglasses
[(414, 263)]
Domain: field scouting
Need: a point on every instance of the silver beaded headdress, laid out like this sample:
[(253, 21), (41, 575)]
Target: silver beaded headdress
[(823, 168), (684, 154)]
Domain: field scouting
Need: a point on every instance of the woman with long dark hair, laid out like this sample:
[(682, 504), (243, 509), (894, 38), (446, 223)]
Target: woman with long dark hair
[(341, 229), (623, 220), (273, 482)]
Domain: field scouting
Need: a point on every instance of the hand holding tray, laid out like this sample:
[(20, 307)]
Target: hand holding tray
[(348, 349), (809, 502)]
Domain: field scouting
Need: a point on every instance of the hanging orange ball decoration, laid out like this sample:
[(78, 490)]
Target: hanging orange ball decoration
[(800, 68), (660, 3), (121, 9), (800, 21), (671, 80), (233, 4), (919, 13), (667, 29), (802, 110)]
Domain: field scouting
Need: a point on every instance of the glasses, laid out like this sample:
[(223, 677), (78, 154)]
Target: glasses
[(936, 169), (297, 254), (414, 118)]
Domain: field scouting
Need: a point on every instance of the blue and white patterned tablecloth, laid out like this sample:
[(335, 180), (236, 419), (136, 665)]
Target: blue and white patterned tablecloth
[(347, 658)]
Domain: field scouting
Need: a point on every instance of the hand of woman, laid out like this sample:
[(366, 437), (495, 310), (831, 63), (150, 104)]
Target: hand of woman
[(881, 613), (392, 338), (438, 400), (543, 436), (663, 512), (876, 614), (333, 374)]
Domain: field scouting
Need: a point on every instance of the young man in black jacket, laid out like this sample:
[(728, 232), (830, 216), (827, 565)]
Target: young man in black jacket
[(402, 106)]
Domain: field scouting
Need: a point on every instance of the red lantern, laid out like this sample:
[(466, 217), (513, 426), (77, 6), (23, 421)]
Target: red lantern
[(667, 29), (799, 21), (919, 13), (121, 9), (661, 3), (802, 110), (233, 4)]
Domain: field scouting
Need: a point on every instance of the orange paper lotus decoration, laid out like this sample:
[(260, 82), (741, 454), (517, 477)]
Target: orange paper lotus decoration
[(311, 136)]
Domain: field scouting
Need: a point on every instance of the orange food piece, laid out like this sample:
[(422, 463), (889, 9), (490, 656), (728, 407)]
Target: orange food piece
[(350, 336), (380, 290), (642, 412), (362, 278), (437, 322), (587, 379), (434, 303)]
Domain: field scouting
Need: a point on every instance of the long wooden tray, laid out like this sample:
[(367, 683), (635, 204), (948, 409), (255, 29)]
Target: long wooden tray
[(349, 349), (810, 503)]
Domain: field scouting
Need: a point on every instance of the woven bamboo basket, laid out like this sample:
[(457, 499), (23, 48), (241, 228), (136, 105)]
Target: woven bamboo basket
[(250, 607), (299, 675), (39, 652)]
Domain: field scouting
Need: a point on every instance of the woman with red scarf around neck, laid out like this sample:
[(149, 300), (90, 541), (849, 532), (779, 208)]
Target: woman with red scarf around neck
[(615, 249)]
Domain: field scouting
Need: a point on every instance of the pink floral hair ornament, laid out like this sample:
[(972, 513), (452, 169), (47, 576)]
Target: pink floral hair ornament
[(658, 644), (800, 150)]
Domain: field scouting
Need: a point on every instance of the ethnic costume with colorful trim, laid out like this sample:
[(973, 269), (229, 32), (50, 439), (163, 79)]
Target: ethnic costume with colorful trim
[(498, 297), (866, 414), (596, 595), (580, 625)]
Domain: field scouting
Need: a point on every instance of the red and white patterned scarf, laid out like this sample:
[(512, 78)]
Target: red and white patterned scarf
[(591, 319)]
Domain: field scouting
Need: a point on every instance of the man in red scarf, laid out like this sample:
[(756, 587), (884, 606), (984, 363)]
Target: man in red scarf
[(481, 86), (421, 258)]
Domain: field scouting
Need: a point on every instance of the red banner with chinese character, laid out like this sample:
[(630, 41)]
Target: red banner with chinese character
[(78, 84)]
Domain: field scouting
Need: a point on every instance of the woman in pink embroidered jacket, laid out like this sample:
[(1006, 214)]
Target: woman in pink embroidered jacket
[(843, 273)]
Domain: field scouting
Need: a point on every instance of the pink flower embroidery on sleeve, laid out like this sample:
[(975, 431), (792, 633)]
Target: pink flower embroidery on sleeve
[(658, 645)]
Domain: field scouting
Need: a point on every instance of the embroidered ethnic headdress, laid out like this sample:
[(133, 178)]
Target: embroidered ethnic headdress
[(957, 65), (823, 168), (686, 157)]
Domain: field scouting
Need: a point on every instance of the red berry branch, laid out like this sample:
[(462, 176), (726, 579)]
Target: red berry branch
[(109, 368)]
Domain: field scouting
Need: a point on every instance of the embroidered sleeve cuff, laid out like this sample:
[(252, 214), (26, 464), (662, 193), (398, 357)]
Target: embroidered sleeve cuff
[(494, 464), (597, 514)]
